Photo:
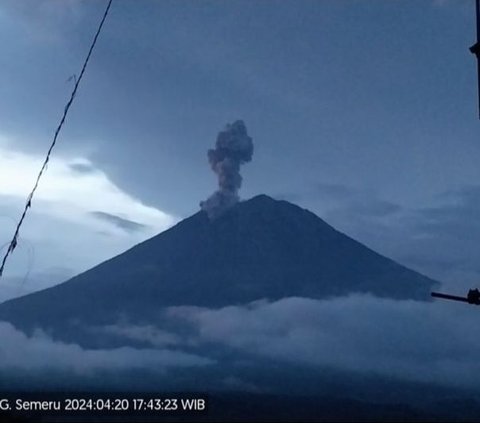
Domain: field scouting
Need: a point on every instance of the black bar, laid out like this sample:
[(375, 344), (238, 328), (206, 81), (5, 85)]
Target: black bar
[(478, 85), (477, 11), (449, 297), (475, 49)]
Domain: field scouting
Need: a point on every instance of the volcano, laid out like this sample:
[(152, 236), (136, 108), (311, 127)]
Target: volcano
[(259, 249)]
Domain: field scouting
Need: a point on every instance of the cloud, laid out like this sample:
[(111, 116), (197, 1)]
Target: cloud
[(339, 202), (68, 194), (71, 218), (82, 167), (361, 335), (149, 334), (365, 209), (43, 21), (39, 353), (347, 200), (422, 342), (125, 224), (440, 240), (335, 191)]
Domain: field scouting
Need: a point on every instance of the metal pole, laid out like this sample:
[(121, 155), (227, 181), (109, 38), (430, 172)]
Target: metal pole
[(477, 13), (475, 49), (449, 297)]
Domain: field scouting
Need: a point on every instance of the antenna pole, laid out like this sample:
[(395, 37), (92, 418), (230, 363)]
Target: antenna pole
[(477, 12), (449, 297), (475, 49), (473, 297)]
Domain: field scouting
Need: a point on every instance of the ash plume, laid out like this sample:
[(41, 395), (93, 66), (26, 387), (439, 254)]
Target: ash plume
[(233, 148)]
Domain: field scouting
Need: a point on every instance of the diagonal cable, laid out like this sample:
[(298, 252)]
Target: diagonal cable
[(13, 242)]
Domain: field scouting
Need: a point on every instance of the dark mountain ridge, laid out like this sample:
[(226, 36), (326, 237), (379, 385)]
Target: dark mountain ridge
[(260, 248)]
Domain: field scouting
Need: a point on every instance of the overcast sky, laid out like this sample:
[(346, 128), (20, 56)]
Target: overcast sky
[(365, 112)]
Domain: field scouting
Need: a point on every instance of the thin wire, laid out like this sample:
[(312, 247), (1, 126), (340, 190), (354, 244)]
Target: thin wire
[(30, 260), (13, 242), (30, 251)]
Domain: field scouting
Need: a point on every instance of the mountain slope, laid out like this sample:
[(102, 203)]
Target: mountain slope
[(261, 248)]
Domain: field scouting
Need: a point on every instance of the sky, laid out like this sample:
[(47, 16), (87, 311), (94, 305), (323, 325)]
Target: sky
[(363, 112)]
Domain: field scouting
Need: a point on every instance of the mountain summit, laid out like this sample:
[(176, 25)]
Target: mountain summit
[(258, 249)]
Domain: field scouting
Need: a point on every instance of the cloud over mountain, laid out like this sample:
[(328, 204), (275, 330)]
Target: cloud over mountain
[(77, 207), (416, 341), (39, 352)]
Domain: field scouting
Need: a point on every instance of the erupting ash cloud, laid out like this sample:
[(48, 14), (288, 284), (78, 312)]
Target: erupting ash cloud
[(233, 148)]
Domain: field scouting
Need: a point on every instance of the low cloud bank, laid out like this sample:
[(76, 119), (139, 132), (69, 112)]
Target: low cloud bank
[(412, 341), (425, 342), (39, 352)]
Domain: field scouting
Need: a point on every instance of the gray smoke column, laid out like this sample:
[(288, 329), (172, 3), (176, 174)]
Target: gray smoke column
[(233, 148)]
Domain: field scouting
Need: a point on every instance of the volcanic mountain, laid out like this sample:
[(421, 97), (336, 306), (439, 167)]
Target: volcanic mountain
[(258, 249)]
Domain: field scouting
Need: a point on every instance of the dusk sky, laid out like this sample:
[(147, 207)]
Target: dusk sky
[(363, 112)]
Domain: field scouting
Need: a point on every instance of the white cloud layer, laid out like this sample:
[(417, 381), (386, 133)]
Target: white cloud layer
[(425, 342), (70, 194), (39, 352), (79, 217), (410, 340)]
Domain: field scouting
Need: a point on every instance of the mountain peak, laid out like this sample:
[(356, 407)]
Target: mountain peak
[(259, 248), (257, 203), (261, 199)]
